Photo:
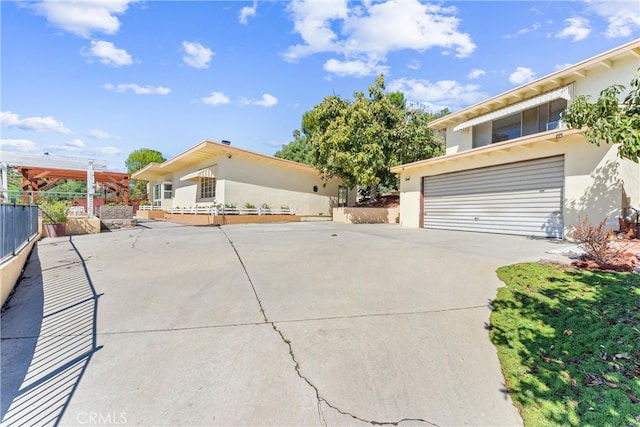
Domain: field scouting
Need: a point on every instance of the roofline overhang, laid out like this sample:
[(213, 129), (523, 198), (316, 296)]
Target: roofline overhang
[(558, 78), (553, 137), (154, 170)]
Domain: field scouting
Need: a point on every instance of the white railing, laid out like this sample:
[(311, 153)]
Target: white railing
[(207, 210), (150, 208)]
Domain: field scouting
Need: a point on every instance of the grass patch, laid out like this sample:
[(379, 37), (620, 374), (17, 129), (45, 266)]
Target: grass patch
[(568, 341)]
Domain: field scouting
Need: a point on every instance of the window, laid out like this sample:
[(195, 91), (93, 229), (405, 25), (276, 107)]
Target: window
[(157, 191), (342, 196), (207, 188), (162, 190), (168, 190), (507, 128)]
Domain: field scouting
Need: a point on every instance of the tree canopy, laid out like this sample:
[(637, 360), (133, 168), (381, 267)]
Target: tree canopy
[(137, 160), (298, 150), (360, 140), (142, 157), (607, 120)]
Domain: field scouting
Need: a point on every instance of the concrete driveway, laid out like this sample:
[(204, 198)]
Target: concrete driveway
[(275, 324)]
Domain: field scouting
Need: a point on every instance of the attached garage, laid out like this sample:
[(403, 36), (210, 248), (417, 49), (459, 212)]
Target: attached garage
[(523, 198)]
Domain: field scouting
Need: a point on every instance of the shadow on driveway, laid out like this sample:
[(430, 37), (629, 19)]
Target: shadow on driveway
[(48, 338)]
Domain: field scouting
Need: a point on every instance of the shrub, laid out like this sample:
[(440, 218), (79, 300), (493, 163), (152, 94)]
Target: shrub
[(54, 212), (265, 206), (595, 240), (249, 206), (145, 203)]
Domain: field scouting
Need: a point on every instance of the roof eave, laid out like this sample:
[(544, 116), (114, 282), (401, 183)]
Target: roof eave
[(555, 136), (575, 71)]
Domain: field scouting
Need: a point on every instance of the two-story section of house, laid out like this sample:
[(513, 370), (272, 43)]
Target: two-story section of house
[(511, 165)]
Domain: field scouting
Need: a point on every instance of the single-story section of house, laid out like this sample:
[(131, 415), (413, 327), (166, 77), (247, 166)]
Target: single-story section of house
[(512, 166), (213, 173)]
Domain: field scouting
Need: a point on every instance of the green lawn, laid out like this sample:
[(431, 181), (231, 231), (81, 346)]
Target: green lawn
[(568, 341)]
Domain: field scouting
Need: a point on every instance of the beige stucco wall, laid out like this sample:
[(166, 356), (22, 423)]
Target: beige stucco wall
[(366, 215), (10, 271), (246, 179), (594, 183), (75, 226)]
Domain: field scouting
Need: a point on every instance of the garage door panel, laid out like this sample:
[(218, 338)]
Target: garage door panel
[(522, 198), (490, 184), (498, 198)]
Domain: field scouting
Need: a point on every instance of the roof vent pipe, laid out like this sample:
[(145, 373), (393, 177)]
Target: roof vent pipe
[(225, 142)]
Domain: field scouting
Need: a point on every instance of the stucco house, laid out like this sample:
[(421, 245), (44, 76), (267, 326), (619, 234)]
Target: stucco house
[(511, 166), (217, 173)]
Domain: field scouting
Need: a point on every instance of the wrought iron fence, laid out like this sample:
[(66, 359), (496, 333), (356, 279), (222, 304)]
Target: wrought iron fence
[(18, 225)]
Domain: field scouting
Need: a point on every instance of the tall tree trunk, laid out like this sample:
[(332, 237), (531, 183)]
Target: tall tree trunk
[(373, 192)]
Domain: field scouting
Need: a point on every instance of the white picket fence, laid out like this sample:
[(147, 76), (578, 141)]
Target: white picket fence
[(217, 210)]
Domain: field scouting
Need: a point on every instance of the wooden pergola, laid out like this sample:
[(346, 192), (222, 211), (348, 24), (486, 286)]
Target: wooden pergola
[(35, 178)]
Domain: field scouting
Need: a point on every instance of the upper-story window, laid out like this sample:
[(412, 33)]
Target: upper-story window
[(529, 121)]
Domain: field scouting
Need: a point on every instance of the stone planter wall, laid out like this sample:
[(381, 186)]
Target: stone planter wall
[(115, 217)]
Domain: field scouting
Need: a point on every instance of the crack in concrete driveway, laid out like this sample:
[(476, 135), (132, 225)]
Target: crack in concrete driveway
[(382, 325)]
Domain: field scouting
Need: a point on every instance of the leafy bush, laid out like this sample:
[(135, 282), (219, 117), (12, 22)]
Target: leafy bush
[(249, 206), (595, 240), (145, 203), (265, 206), (53, 211)]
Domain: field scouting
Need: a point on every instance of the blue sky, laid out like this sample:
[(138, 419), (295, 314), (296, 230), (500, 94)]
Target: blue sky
[(102, 78)]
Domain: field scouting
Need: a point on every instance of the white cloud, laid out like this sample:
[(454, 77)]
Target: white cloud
[(623, 17), (196, 55), (108, 54), (23, 145), (39, 124), (106, 150), (562, 66), (100, 134), (216, 98), (82, 17), (78, 146), (366, 32), (247, 12), (438, 95), (414, 65), (353, 68), (266, 101), (534, 27), (76, 143), (476, 73), (137, 89), (577, 28), (521, 75)]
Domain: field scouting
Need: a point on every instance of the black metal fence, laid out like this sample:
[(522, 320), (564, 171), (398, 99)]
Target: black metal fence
[(18, 225)]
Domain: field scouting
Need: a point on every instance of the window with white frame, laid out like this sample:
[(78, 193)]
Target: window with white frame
[(162, 190), (168, 190), (207, 189)]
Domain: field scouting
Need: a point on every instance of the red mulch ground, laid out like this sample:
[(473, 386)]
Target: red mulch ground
[(627, 258)]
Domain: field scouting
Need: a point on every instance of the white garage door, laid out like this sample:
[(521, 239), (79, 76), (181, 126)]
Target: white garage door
[(522, 198)]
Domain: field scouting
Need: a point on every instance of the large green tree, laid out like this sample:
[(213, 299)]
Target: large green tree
[(137, 160), (608, 120), (360, 140), (298, 150)]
